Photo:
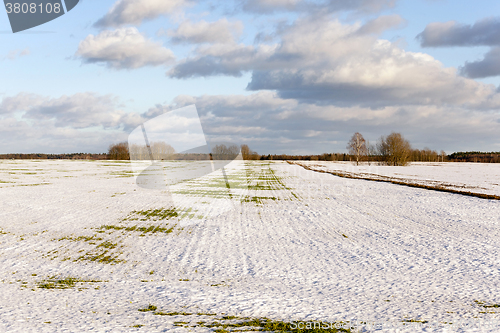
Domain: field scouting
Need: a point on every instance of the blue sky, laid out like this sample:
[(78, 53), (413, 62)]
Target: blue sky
[(284, 76)]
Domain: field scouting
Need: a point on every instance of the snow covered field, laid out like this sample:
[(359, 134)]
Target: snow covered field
[(471, 177), (82, 248)]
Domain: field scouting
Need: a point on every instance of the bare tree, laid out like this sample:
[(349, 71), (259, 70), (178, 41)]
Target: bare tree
[(248, 154), (443, 155), (371, 151), (222, 152), (245, 152), (357, 146), (159, 150), (139, 152), (162, 150), (118, 151), (395, 149)]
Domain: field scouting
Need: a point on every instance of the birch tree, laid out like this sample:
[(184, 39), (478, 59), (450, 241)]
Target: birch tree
[(357, 147)]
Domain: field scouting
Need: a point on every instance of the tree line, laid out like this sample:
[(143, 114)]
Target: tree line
[(71, 156), (392, 149), (164, 151), (475, 156)]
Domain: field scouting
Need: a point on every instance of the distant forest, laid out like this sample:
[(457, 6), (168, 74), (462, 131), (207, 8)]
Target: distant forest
[(477, 157), (72, 156), (416, 155), (392, 149)]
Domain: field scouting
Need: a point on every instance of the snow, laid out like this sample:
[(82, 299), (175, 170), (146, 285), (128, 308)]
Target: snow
[(300, 246), (469, 177)]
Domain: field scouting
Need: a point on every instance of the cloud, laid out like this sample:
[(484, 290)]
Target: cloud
[(20, 102), (88, 122), (362, 6), (488, 66), (319, 60), (271, 6), (20, 136), (481, 33), (83, 122), (78, 111), (135, 12), (220, 59), (381, 24), (124, 48), (271, 124), (221, 31), (15, 54), (254, 106)]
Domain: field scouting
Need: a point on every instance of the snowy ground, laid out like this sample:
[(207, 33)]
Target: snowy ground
[(294, 245), (470, 177)]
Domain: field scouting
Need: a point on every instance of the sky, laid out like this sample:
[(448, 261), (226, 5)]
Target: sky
[(283, 76)]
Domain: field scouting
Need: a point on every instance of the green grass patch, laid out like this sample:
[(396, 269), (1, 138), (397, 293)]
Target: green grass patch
[(230, 323), (414, 321), (268, 325), (484, 305), (144, 229), (102, 255), (258, 200), (66, 283), (108, 245), (122, 174), (152, 214), (160, 313), (89, 239), (180, 323), (149, 308)]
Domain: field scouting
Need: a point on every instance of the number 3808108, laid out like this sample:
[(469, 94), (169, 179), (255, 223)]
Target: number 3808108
[(32, 8)]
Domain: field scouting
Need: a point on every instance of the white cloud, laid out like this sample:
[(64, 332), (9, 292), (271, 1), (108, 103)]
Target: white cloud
[(360, 6), (83, 122), (20, 102), (223, 59), (123, 48), (15, 54), (266, 6), (221, 31), (134, 12), (20, 136), (270, 124), (323, 61), (78, 111), (381, 23)]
